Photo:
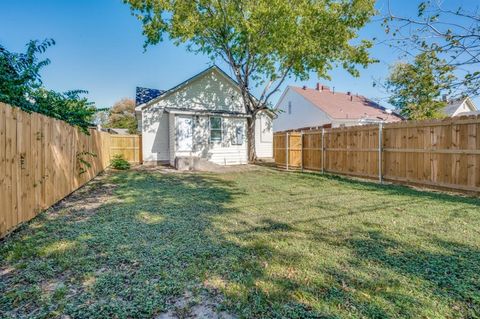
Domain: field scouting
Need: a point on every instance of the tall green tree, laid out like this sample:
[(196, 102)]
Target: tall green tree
[(263, 41), (21, 86), (416, 88)]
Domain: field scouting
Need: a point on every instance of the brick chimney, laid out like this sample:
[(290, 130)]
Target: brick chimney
[(318, 87)]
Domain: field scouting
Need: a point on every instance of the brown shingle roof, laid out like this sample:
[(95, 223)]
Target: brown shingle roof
[(343, 106)]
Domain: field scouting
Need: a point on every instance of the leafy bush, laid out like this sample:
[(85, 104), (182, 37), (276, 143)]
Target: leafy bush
[(119, 162), (21, 86)]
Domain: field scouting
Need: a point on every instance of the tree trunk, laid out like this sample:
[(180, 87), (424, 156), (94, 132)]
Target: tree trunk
[(252, 156)]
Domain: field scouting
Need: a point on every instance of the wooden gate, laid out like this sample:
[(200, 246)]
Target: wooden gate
[(288, 150)]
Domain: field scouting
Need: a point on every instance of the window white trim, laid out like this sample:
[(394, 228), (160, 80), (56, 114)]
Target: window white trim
[(210, 129)]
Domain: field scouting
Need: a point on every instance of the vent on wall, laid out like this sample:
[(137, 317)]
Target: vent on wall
[(289, 107)]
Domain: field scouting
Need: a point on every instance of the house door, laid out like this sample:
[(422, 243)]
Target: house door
[(184, 133)]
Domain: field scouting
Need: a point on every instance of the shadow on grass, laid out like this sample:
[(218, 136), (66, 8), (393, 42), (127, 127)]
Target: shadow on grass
[(387, 188), (159, 236), (451, 271)]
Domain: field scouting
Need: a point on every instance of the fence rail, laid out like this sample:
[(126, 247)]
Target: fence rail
[(438, 153), (42, 160)]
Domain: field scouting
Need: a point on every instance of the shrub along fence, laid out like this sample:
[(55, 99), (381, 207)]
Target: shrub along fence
[(42, 160), (434, 153)]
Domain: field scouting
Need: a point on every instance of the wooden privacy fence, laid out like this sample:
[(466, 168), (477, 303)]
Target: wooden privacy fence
[(42, 160), (438, 153), (130, 146)]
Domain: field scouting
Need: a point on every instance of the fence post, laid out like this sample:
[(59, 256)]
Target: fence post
[(286, 148), (140, 149), (380, 151), (323, 150), (301, 150)]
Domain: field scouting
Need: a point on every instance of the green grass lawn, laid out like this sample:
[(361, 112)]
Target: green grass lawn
[(262, 244)]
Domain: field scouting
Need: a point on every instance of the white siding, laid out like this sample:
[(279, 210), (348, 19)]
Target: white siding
[(264, 136), (138, 115), (209, 92), (155, 144), (222, 153), (304, 113), (171, 138)]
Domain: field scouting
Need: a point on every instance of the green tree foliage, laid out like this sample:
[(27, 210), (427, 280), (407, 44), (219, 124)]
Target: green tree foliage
[(19, 74), (416, 88), (21, 86), (263, 41), (68, 106), (122, 115), (447, 29)]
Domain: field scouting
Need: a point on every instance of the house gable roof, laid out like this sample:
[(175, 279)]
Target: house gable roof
[(339, 105), (187, 82), (453, 106)]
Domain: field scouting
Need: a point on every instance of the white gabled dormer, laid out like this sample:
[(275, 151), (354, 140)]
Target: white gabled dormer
[(459, 107)]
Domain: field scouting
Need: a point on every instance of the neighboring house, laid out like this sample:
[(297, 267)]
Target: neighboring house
[(305, 107), (203, 117), (459, 107)]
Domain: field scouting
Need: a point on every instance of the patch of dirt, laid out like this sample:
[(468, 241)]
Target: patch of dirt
[(51, 285), (201, 306), (6, 271), (87, 198)]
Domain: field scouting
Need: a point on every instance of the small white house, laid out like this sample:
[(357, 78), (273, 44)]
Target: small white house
[(203, 117), (303, 107), (459, 107)]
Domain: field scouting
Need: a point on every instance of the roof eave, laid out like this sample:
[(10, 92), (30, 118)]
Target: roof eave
[(207, 112)]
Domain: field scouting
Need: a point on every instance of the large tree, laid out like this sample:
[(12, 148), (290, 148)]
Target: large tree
[(416, 88), (263, 41)]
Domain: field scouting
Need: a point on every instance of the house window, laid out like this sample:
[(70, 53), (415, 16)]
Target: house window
[(238, 137), (215, 129), (289, 107)]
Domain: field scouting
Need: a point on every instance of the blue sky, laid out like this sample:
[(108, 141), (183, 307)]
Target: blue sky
[(100, 48)]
